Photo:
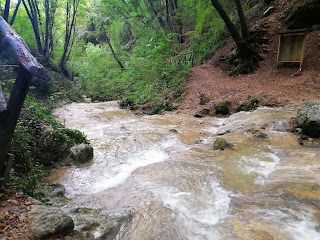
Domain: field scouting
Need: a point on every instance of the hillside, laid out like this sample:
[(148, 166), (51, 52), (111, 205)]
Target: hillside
[(274, 85)]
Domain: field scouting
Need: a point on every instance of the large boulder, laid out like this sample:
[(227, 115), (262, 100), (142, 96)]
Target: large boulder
[(95, 224), (81, 153), (308, 118), (303, 14), (49, 221)]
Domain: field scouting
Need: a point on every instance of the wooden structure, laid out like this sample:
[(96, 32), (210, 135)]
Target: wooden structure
[(291, 47), (13, 48)]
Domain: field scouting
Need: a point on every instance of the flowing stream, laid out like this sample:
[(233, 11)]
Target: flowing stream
[(164, 173)]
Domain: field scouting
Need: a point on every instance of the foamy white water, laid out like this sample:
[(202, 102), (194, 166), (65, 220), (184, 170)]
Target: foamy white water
[(178, 188)]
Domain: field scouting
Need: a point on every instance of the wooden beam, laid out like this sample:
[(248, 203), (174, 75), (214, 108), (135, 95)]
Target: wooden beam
[(11, 42)]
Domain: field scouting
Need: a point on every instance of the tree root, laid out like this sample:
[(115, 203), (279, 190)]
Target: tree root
[(246, 58)]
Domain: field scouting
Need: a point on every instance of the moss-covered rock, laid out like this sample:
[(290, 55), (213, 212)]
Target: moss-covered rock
[(303, 14), (47, 221), (221, 107), (257, 134), (202, 113), (221, 144), (308, 118)]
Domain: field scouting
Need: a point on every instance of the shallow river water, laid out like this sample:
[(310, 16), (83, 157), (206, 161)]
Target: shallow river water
[(164, 172)]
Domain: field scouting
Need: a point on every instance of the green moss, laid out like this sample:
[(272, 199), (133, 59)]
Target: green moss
[(203, 99), (221, 144), (221, 107)]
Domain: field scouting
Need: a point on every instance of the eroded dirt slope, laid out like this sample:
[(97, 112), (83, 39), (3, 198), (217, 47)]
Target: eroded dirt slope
[(274, 85)]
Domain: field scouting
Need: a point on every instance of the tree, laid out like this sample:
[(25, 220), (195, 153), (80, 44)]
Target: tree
[(12, 45), (6, 11), (247, 57), (71, 16), (43, 36)]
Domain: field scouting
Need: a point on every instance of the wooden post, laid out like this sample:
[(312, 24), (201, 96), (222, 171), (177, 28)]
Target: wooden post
[(12, 45), (7, 126)]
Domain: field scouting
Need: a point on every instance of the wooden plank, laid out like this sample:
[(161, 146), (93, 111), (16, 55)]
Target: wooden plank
[(12, 43), (291, 48)]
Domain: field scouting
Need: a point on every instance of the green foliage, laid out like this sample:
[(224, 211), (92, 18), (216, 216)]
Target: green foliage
[(125, 102), (251, 104), (37, 135), (254, 101), (161, 106), (30, 183), (221, 107), (203, 99), (72, 136)]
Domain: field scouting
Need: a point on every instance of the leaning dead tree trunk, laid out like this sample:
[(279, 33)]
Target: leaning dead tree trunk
[(12, 45)]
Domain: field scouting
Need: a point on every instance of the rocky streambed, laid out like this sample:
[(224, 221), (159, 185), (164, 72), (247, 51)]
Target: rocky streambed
[(158, 177)]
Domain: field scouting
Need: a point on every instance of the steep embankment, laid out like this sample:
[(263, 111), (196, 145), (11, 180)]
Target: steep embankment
[(274, 85)]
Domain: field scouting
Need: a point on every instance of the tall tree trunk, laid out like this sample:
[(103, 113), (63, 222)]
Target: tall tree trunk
[(155, 14), (15, 12), (232, 29), (33, 17), (243, 21), (7, 126), (71, 14), (47, 28), (6, 10), (113, 53)]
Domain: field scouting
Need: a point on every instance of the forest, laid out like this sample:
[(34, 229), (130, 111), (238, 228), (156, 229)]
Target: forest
[(203, 58)]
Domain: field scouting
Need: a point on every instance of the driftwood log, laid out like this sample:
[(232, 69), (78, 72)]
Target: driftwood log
[(14, 50)]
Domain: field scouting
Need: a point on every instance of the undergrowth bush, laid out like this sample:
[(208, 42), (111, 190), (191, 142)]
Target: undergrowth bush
[(38, 137)]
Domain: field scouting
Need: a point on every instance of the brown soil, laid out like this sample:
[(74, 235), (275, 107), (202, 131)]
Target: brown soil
[(274, 85), (14, 209)]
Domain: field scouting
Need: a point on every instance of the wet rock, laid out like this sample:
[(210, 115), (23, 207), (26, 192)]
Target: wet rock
[(221, 108), (81, 153), (95, 225), (49, 221), (202, 113), (54, 194), (55, 190), (303, 14), (199, 141), (87, 100), (308, 118), (75, 235), (256, 134), (221, 144), (173, 130)]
